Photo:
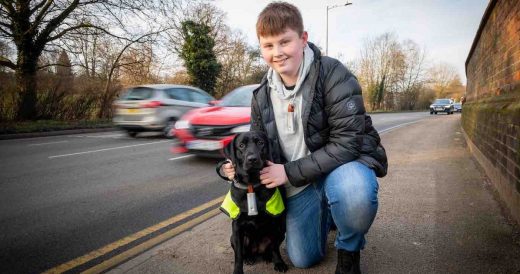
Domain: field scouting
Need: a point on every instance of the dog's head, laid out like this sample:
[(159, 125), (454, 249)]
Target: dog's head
[(249, 152)]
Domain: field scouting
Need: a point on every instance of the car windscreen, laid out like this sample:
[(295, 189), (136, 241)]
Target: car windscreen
[(240, 97), (138, 93), (442, 101)]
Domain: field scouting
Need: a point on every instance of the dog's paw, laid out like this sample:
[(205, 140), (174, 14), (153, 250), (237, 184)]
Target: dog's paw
[(250, 261), (238, 271), (281, 267)]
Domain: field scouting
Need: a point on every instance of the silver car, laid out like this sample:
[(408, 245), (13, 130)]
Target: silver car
[(156, 107), (457, 107)]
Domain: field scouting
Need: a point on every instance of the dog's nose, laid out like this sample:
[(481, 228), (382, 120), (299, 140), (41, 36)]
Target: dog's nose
[(251, 159)]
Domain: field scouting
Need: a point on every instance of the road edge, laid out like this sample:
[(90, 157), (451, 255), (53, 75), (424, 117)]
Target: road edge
[(54, 133)]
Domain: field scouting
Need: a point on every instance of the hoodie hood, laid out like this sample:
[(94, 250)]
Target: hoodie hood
[(275, 81)]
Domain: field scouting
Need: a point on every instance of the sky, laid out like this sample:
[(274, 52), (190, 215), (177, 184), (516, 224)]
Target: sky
[(445, 28)]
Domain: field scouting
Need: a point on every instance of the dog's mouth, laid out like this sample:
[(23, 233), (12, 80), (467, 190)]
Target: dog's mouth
[(253, 167), (249, 172)]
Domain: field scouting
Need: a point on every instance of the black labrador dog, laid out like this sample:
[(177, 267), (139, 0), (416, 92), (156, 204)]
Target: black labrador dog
[(256, 232)]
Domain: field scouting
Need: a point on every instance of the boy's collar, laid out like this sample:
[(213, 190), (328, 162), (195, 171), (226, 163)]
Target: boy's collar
[(316, 50)]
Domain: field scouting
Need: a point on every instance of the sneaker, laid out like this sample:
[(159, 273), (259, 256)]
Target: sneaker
[(348, 262)]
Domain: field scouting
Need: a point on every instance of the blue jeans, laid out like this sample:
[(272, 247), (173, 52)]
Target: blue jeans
[(348, 196)]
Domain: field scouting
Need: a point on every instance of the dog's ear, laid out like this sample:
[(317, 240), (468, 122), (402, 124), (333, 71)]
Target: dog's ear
[(266, 150), (230, 151)]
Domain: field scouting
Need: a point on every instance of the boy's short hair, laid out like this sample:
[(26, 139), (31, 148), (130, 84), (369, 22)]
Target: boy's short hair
[(277, 17)]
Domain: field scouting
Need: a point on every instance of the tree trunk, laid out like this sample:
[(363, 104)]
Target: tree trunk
[(27, 85)]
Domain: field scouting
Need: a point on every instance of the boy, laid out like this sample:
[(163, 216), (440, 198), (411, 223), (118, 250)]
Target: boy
[(325, 150)]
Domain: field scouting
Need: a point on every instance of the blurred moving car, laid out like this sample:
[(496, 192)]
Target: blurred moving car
[(457, 107), (442, 105), (206, 131), (156, 107)]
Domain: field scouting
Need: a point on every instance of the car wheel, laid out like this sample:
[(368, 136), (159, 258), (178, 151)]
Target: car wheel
[(132, 133), (167, 131), (435, 113), (431, 112)]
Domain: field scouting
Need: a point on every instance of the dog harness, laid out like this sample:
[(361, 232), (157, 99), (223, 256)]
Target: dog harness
[(274, 205)]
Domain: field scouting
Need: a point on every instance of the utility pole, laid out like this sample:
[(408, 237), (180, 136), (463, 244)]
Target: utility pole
[(327, 30)]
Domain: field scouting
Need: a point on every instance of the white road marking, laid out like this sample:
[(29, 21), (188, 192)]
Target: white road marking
[(105, 149), (394, 127), (180, 157), (97, 136), (49, 143)]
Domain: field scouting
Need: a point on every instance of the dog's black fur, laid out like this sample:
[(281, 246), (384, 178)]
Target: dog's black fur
[(260, 235)]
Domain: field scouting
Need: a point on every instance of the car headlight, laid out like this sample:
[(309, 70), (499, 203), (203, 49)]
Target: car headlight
[(448, 106), (182, 124), (243, 128), (431, 106)]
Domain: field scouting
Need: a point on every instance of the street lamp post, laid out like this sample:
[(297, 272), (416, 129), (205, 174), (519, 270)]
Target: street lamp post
[(327, 31)]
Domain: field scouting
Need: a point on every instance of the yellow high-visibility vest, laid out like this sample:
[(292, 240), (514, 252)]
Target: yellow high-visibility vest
[(274, 205)]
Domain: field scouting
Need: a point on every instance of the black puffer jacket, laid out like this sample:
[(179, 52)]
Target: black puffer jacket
[(336, 128)]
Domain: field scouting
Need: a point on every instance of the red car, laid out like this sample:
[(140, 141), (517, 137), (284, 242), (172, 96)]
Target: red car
[(205, 131)]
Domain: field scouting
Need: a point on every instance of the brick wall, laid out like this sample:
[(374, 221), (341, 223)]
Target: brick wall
[(491, 114)]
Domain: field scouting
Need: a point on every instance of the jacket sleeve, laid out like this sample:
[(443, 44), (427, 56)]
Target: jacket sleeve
[(345, 112)]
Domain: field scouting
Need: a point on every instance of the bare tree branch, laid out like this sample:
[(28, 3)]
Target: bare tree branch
[(7, 5), (7, 63), (42, 38), (65, 31), (39, 5), (53, 65), (41, 14), (5, 32)]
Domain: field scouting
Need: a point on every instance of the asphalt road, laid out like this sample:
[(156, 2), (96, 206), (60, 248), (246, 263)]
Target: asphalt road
[(64, 196)]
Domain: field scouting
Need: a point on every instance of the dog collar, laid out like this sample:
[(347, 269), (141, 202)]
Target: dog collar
[(241, 186)]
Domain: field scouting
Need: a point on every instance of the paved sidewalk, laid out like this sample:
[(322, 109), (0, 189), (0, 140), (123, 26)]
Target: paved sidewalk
[(436, 215)]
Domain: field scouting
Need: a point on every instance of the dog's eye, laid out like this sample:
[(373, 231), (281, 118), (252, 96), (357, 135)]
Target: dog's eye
[(241, 145), (260, 143)]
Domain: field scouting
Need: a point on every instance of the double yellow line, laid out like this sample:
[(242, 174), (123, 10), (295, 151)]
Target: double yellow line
[(143, 246)]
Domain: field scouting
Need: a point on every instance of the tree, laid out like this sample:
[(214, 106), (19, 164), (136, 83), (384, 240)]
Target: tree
[(139, 64), (410, 74), (392, 72), (239, 61), (33, 26), (114, 65), (379, 58), (456, 89), (199, 58), (203, 13), (64, 70), (241, 65), (441, 76)]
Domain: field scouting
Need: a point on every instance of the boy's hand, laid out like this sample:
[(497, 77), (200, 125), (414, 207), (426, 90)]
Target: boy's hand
[(229, 170), (273, 175)]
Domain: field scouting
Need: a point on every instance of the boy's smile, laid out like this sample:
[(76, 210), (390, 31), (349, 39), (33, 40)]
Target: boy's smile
[(284, 53)]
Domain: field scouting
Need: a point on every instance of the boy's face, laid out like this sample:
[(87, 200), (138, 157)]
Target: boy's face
[(284, 53)]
